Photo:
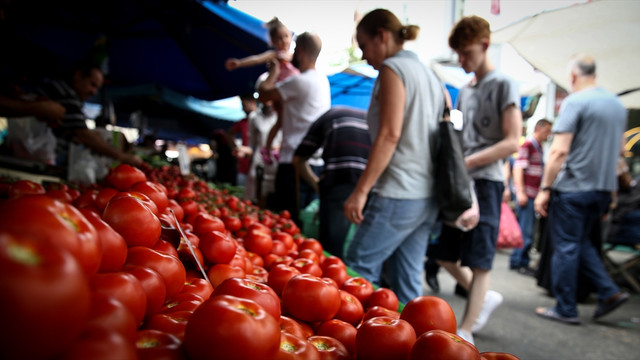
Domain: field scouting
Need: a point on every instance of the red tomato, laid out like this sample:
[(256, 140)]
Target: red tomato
[(100, 344), (309, 254), (156, 345), (329, 348), (258, 239), (153, 285), (227, 327), (217, 247), (286, 238), (220, 272), (60, 195), (310, 298), (307, 266), (123, 176), (154, 191), (295, 348), (376, 311), (103, 196), (294, 327), (279, 248), (232, 223), (173, 323), (351, 309), (198, 286), (332, 260), (490, 355), (341, 330), (205, 223), (110, 314), (384, 297), (46, 298), (170, 268), (271, 260), (443, 345), (337, 273), (177, 209), (58, 222), (166, 248), (426, 313), (358, 287), (86, 200), (133, 220), (262, 294), (279, 275), (182, 302), (114, 248), (125, 288), (25, 187), (312, 244), (139, 196), (385, 338)]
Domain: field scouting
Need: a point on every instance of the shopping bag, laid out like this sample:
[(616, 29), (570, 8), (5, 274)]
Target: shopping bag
[(510, 234)]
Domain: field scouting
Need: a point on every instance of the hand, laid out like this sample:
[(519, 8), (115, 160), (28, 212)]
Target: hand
[(231, 64), (49, 111), (274, 67), (506, 194), (469, 219), (354, 205), (131, 159), (522, 198), (541, 203)]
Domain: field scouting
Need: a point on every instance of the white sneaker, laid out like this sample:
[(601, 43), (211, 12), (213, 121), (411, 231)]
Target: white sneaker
[(465, 335), (492, 300)]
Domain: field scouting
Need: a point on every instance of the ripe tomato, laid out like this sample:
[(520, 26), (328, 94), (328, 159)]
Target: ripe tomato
[(310, 298), (232, 223), (286, 238), (279, 275), (312, 244), (133, 220), (262, 294), (329, 348), (156, 344), (182, 302), (309, 254), (168, 267), (426, 313), (58, 222), (173, 323), (198, 286), (299, 329), (340, 330), (123, 176), (377, 310), (103, 196), (385, 338), (307, 266), (45, 297), (177, 209), (336, 272), (114, 248), (153, 285), (271, 260), (443, 345), (358, 287), (220, 272), (351, 309), (217, 247), (100, 344), (227, 327), (384, 297), (154, 191), (125, 288), (25, 187), (294, 348), (204, 223), (279, 248), (490, 355), (110, 314), (258, 239), (139, 196)]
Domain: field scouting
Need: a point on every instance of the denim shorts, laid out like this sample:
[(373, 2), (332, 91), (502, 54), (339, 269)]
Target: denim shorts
[(475, 248)]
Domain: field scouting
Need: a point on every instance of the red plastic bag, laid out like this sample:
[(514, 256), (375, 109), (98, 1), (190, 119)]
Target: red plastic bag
[(510, 234)]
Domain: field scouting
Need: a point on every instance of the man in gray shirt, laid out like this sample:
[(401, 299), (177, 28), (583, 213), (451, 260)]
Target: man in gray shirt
[(579, 177)]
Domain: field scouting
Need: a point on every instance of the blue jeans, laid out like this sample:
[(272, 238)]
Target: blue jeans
[(526, 218), (334, 226), (397, 230), (571, 216)]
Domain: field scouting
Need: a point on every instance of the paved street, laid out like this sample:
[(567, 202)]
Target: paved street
[(514, 327)]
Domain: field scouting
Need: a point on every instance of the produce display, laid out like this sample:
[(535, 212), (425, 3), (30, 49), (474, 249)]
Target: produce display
[(150, 264)]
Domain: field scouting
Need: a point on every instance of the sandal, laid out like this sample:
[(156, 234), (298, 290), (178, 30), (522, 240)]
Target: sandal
[(552, 314)]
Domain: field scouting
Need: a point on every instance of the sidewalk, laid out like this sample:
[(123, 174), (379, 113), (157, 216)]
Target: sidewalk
[(514, 327)]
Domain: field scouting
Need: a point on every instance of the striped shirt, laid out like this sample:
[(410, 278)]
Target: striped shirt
[(343, 134), (531, 161)]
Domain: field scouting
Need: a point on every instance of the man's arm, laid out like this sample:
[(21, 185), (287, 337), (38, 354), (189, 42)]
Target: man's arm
[(48, 110), (303, 169), (511, 129), (558, 153), (518, 183), (93, 141)]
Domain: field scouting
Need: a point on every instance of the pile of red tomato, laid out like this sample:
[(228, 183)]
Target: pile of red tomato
[(110, 272)]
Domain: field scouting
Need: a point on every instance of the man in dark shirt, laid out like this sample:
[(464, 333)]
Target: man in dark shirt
[(343, 134)]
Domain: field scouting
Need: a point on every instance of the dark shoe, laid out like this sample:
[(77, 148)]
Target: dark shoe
[(610, 304), (432, 281), (460, 291), (551, 314), (525, 270)]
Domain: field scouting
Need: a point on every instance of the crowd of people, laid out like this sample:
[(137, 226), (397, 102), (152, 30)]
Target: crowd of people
[(375, 168)]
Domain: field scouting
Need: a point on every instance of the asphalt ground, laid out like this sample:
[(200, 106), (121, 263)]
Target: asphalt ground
[(515, 328)]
